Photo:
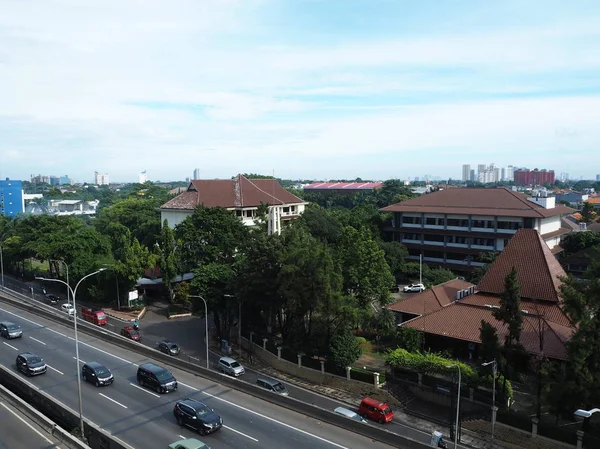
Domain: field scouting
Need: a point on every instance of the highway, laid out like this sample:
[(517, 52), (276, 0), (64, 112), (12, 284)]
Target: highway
[(17, 431), (142, 418)]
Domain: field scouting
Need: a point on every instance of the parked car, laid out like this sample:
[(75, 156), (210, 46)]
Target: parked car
[(231, 366), (30, 364), (375, 410), (414, 288), (68, 308), (52, 299), (168, 347), (156, 377), (131, 333), (349, 414), (97, 317), (97, 374), (197, 415), (189, 443), (272, 385), (10, 330)]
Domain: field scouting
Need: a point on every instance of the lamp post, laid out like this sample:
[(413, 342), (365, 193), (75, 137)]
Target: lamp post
[(67, 268), (457, 406), (494, 371), (73, 294), (205, 324), (2, 267)]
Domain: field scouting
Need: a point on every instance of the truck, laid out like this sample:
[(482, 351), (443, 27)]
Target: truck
[(98, 317)]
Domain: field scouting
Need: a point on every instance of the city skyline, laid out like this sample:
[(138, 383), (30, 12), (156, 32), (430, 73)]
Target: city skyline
[(378, 90)]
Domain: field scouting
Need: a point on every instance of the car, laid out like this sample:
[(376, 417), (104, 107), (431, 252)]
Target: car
[(154, 376), (131, 333), (97, 374), (168, 347), (349, 414), (231, 366), (414, 288), (10, 330), (31, 364), (68, 308), (197, 416), (52, 299), (273, 386), (188, 443)]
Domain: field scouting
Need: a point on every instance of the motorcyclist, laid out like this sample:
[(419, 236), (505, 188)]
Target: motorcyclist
[(136, 324)]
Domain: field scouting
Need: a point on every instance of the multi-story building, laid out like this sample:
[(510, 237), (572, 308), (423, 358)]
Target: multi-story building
[(342, 187), (101, 179), (12, 202), (142, 177), (196, 173), (452, 227), (40, 179), (466, 172), (597, 177), (473, 178), (526, 177)]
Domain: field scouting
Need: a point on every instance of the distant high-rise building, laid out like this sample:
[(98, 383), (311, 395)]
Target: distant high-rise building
[(488, 174), (466, 172), (196, 173), (597, 177), (54, 180), (142, 178), (503, 174), (564, 177), (472, 176), (12, 202), (187, 179), (101, 179), (40, 179), (65, 180), (526, 177), (510, 173)]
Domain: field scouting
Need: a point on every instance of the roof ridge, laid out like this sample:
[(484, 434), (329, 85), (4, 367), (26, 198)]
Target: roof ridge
[(547, 264), (266, 193), (523, 200)]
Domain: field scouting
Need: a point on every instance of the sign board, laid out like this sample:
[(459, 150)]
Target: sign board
[(133, 296)]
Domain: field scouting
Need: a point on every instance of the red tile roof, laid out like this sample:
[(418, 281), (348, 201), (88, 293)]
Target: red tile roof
[(343, 186), (538, 270), (558, 232), (232, 193), (465, 201), (432, 299)]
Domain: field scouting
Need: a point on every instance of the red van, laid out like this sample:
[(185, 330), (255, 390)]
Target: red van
[(98, 317), (375, 410)]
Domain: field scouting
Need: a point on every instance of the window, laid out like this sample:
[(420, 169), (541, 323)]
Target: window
[(483, 242), (411, 220), (512, 225), (458, 222), (433, 254), (433, 238), (411, 236), (434, 221), (286, 210), (456, 256), (458, 239)]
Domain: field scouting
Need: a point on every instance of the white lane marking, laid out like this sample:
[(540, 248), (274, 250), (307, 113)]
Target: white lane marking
[(108, 353), (56, 332), (10, 346), (111, 399), (39, 341), (19, 316), (62, 374), (80, 361), (241, 433), (44, 437), (144, 390), (182, 437)]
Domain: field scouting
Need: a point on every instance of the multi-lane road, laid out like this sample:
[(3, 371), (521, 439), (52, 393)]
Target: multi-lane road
[(17, 431), (142, 418)]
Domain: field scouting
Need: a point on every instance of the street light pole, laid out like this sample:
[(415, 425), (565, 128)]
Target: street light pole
[(494, 371), (205, 324), (2, 267), (68, 285), (457, 406), (73, 294)]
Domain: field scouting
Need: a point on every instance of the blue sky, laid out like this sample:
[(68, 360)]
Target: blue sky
[(307, 89)]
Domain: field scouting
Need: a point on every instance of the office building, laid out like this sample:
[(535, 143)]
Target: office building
[(466, 172), (40, 179), (12, 202), (142, 177), (100, 179), (535, 177), (597, 177), (196, 173), (473, 177)]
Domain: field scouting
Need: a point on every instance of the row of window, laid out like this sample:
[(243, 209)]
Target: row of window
[(462, 222), (440, 255), (251, 213), (448, 239)]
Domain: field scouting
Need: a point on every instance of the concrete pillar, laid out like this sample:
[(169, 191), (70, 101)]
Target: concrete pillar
[(299, 360), (348, 369), (471, 394), (279, 348), (265, 340), (534, 427), (322, 366), (580, 439), (420, 379), (376, 379)]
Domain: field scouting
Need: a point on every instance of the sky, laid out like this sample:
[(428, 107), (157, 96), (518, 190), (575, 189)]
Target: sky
[(303, 89)]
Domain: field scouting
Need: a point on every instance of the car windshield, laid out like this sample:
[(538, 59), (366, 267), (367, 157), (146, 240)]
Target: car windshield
[(34, 359), (203, 411), (278, 387), (235, 364), (164, 375), (12, 327), (101, 371), (101, 315), (386, 411)]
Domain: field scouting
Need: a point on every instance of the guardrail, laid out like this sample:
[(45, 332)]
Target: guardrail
[(372, 432)]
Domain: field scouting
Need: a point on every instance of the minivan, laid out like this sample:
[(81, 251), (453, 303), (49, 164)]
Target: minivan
[(231, 366), (375, 410), (156, 377), (272, 385), (97, 374), (349, 414)]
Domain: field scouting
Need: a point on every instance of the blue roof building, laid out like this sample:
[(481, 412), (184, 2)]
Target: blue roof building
[(11, 197)]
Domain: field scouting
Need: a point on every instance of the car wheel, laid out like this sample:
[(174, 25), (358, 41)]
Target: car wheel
[(141, 382), (179, 421), (97, 383), (84, 377), (381, 421), (159, 390)]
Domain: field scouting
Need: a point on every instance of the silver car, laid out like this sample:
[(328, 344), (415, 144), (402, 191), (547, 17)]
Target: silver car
[(349, 414), (10, 330), (231, 366)]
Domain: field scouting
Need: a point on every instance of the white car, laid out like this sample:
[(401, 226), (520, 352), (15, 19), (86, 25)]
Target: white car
[(414, 288), (231, 366), (68, 308)]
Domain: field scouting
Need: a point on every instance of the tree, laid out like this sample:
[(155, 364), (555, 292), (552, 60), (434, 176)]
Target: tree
[(132, 264), (487, 258), (409, 339), (344, 350), (322, 223), (393, 191), (578, 241), (396, 256), (588, 212), (385, 322), (167, 257), (490, 344), (510, 308), (437, 276)]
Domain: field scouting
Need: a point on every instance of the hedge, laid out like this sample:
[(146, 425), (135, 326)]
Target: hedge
[(365, 375)]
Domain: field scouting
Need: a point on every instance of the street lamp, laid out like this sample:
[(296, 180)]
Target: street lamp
[(67, 268), (457, 406), (205, 323), (2, 267), (494, 371), (73, 294)]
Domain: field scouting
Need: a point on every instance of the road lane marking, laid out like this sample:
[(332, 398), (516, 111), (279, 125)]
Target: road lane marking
[(39, 341), (182, 437), (19, 316), (241, 433), (111, 399), (108, 353), (10, 346), (44, 437), (144, 390), (56, 332), (62, 374), (80, 361)]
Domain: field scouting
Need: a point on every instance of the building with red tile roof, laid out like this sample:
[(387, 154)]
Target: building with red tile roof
[(341, 187), (546, 329)]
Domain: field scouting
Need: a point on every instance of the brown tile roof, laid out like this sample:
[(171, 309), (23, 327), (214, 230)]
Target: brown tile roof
[(557, 249), (464, 201), (537, 268), (432, 299), (594, 227), (560, 231), (594, 200), (569, 221), (232, 193)]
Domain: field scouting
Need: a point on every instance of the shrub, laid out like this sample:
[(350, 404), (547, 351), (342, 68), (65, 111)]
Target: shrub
[(361, 340)]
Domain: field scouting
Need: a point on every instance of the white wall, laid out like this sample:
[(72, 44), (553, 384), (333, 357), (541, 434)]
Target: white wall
[(549, 224), (174, 217)]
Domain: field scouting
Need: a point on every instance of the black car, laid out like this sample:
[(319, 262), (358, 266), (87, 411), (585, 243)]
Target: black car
[(10, 330), (52, 299), (197, 415), (97, 374), (30, 364), (151, 375), (168, 347)]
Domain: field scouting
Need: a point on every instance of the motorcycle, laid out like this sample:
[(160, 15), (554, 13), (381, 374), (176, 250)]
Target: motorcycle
[(136, 325)]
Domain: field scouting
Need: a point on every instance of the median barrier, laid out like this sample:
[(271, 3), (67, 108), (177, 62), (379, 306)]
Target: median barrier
[(328, 416)]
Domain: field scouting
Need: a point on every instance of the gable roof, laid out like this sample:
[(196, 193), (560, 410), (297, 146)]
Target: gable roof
[(473, 201), (431, 299), (537, 268), (238, 192)]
